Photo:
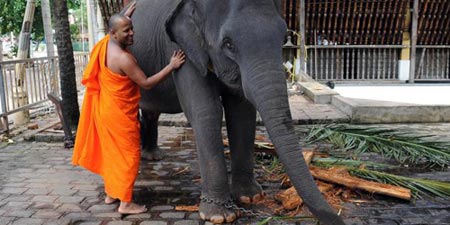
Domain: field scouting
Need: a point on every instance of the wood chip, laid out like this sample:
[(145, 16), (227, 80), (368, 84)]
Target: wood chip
[(188, 208)]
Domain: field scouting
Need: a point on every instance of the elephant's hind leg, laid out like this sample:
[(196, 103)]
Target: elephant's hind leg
[(149, 136), (241, 122)]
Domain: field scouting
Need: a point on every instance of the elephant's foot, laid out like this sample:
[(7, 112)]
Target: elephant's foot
[(216, 213), (252, 199), (154, 154), (248, 192)]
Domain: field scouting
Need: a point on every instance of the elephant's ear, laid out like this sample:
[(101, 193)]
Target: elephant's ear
[(183, 28)]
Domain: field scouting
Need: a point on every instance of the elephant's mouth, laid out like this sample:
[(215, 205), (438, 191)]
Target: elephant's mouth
[(229, 76)]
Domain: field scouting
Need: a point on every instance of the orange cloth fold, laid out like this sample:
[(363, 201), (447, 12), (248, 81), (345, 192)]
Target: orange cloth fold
[(108, 136)]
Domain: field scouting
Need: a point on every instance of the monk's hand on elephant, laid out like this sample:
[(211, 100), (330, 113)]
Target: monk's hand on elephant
[(130, 9), (177, 59)]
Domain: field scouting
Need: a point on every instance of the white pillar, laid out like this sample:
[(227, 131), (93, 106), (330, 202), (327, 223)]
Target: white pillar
[(92, 23), (101, 31)]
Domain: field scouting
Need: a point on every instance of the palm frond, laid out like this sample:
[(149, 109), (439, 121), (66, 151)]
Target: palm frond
[(419, 187), (398, 145), (330, 162)]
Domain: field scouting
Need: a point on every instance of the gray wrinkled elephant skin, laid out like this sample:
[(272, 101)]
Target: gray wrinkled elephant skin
[(233, 68)]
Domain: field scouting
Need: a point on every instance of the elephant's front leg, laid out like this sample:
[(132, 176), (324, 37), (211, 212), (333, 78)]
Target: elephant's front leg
[(201, 103), (240, 118), (149, 135)]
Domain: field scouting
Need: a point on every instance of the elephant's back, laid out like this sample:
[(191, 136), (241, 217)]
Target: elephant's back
[(152, 45), (152, 49)]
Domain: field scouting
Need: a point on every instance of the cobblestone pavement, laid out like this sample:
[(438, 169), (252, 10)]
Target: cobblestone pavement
[(38, 185)]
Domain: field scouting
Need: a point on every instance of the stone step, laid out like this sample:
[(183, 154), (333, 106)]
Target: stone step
[(372, 111)]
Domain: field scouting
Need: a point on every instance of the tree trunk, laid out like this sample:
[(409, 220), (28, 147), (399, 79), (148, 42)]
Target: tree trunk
[(69, 95)]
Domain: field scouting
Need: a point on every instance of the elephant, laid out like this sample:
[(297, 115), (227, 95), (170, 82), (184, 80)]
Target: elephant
[(233, 69)]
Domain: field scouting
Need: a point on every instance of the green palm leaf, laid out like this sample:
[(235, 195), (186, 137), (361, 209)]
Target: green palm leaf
[(330, 162), (399, 145), (418, 187)]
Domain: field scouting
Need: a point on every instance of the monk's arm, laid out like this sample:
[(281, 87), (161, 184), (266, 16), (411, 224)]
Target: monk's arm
[(137, 75)]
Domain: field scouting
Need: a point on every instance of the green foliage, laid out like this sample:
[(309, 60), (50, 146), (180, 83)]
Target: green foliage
[(73, 4), (398, 145), (12, 18), (74, 29), (81, 23), (329, 162), (12, 13)]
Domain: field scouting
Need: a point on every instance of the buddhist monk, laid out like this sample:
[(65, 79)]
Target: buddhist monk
[(108, 135)]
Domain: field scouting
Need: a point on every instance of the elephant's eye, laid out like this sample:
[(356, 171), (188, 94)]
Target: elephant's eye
[(227, 43)]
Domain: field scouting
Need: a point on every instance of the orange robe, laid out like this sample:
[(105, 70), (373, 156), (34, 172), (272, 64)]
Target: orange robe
[(108, 138)]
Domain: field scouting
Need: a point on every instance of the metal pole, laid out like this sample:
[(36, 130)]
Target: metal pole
[(415, 17), (82, 27), (1, 50), (315, 54), (4, 119), (302, 41), (46, 19)]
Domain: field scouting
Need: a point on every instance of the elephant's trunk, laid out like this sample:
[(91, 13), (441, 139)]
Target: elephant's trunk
[(265, 87)]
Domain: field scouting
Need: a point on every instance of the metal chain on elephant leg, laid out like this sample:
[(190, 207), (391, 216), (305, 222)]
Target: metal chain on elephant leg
[(229, 204)]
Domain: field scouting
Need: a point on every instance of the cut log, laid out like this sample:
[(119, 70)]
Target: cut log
[(290, 199), (308, 155), (342, 177), (188, 208)]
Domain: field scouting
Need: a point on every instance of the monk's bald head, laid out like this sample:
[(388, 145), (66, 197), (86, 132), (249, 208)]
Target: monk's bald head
[(116, 20), (121, 30)]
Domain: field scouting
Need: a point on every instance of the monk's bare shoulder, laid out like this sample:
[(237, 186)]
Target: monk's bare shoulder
[(127, 60)]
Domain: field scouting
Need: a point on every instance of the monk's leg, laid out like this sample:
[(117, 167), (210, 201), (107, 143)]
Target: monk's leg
[(131, 208)]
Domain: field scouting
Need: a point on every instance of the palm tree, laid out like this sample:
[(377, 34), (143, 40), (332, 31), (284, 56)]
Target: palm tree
[(69, 95)]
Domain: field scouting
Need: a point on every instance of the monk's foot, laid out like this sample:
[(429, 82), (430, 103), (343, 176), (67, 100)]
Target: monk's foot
[(154, 154), (131, 208), (248, 192), (110, 200)]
